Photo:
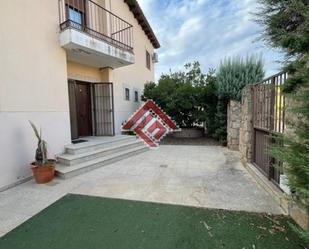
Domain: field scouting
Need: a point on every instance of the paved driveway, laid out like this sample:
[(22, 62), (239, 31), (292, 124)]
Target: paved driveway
[(205, 176)]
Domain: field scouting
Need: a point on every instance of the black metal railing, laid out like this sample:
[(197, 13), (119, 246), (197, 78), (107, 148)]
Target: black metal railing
[(91, 18), (269, 103), (268, 121)]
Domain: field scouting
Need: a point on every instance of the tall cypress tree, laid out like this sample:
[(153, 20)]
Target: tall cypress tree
[(233, 75), (286, 26)]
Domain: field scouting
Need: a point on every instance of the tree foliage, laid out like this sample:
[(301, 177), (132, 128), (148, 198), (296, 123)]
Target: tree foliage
[(208, 100), (220, 120), (286, 24), (179, 94), (233, 75)]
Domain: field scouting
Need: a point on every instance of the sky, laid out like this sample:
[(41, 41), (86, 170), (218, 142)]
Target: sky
[(206, 31)]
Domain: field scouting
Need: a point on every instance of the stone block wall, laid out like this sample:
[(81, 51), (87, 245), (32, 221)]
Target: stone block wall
[(239, 125), (233, 124), (246, 125)]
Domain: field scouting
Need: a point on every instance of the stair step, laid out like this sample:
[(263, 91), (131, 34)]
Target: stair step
[(64, 171), (72, 159), (95, 144)]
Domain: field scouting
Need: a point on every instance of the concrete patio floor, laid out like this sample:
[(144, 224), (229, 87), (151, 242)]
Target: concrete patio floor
[(203, 176)]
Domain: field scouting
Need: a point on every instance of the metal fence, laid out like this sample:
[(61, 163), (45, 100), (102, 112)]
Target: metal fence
[(268, 121)]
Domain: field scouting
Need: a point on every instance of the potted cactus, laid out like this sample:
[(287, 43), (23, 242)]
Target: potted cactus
[(43, 169)]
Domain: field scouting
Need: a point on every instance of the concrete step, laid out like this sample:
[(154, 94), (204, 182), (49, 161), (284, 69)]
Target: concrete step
[(64, 171), (73, 159), (97, 143)]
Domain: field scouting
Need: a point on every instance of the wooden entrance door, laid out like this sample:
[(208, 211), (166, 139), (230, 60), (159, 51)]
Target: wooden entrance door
[(83, 106)]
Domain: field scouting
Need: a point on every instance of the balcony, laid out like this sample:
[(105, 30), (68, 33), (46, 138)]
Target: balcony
[(94, 36)]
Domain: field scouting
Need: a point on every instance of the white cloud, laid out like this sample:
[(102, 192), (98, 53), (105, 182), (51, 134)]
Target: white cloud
[(207, 31)]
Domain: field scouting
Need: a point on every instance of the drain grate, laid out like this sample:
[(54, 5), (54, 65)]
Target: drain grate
[(163, 166)]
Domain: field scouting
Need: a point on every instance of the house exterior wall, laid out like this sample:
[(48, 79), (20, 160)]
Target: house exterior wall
[(33, 81), (134, 76), (33, 85), (85, 73)]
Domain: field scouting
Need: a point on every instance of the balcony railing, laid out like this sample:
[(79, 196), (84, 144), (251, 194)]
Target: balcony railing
[(91, 18)]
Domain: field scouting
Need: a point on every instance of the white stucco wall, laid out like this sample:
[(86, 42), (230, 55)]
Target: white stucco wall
[(133, 76), (33, 85), (33, 81)]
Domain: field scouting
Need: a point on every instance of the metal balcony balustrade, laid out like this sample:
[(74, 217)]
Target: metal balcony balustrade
[(91, 18)]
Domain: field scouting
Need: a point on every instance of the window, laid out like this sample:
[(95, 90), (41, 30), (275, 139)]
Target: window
[(75, 15), (136, 96), (75, 12), (147, 60), (127, 93)]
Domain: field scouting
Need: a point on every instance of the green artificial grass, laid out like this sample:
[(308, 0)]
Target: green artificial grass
[(83, 222)]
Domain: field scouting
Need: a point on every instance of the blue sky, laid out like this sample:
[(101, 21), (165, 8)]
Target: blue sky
[(207, 31)]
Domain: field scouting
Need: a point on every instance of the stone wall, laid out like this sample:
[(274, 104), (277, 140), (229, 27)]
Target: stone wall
[(239, 125), (246, 126), (233, 124)]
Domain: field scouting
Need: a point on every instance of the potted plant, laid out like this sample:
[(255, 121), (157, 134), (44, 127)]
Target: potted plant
[(43, 169)]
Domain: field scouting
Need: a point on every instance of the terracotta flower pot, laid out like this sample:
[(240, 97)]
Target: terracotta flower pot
[(43, 174)]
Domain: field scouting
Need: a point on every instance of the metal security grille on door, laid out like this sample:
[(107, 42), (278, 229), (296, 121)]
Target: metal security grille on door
[(103, 109), (73, 109)]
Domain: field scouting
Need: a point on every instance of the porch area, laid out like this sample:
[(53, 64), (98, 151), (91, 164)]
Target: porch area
[(200, 176), (89, 153)]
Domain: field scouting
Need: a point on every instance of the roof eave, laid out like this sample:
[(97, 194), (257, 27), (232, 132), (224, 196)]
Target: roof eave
[(143, 22)]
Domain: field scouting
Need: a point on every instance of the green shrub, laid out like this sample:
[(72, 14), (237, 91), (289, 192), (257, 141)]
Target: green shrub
[(179, 95), (220, 121), (286, 27), (208, 101), (233, 75)]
